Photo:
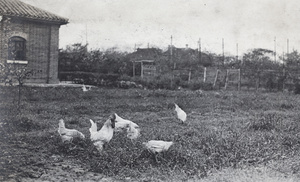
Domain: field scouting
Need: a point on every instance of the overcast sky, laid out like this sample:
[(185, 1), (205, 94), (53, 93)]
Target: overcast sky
[(126, 23)]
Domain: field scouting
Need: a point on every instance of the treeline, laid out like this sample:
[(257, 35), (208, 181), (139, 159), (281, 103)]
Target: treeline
[(107, 67)]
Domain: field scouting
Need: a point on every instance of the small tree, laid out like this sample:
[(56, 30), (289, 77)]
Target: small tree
[(15, 73)]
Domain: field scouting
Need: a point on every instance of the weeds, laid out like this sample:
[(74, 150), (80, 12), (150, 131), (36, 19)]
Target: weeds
[(266, 121)]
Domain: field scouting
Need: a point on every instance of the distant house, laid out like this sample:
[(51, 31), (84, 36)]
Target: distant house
[(30, 36), (143, 60)]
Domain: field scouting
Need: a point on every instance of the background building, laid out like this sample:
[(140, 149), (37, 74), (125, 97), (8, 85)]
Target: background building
[(30, 36)]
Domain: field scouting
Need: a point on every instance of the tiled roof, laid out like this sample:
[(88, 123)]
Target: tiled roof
[(146, 53), (20, 9)]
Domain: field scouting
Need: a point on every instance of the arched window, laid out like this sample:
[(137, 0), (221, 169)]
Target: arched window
[(17, 48)]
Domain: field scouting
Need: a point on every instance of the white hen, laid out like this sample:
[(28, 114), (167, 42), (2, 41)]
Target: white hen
[(133, 130), (181, 115), (104, 135), (84, 88), (68, 134), (157, 146)]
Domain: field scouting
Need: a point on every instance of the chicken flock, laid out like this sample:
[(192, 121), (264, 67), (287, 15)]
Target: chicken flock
[(115, 123)]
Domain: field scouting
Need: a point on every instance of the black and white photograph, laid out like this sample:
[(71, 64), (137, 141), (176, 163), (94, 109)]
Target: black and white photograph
[(149, 90)]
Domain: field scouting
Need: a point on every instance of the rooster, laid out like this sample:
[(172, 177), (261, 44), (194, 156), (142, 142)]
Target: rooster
[(157, 146), (133, 130), (104, 135), (68, 134), (181, 115)]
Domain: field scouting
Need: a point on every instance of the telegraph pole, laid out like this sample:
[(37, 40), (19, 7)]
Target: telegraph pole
[(287, 46), (85, 33), (86, 38), (223, 51), (200, 54), (174, 64), (275, 49), (171, 53), (237, 51)]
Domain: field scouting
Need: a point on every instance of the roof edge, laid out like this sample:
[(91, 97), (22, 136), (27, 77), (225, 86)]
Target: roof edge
[(40, 20)]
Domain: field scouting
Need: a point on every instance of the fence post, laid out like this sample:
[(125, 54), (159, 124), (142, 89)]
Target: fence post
[(204, 76), (216, 78), (226, 82), (142, 69), (239, 84), (133, 68), (283, 79)]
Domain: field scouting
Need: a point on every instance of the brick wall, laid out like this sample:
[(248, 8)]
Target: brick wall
[(42, 47)]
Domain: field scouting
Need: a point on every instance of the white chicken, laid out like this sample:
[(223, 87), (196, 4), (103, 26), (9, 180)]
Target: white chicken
[(84, 88), (181, 115), (68, 134), (133, 130), (157, 146), (104, 135)]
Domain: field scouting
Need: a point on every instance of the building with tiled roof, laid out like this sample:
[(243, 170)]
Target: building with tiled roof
[(143, 60), (29, 36)]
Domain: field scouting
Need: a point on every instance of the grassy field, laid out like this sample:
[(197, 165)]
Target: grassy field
[(229, 135)]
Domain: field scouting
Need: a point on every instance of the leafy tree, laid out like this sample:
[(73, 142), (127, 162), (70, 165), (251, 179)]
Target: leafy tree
[(258, 67), (292, 66), (292, 60), (74, 58)]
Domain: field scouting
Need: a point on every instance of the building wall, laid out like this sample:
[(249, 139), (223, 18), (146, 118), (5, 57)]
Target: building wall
[(41, 44)]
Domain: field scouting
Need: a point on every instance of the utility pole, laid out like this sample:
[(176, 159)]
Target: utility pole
[(174, 64), (200, 54), (223, 51), (86, 38), (171, 46), (171, 54), (287, 46), (237, 51), (275, 49)]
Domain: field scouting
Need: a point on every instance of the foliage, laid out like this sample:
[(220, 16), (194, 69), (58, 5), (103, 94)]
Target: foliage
[(257, 66), (78, 58), (258, 60), (260, 69), (292, 60)]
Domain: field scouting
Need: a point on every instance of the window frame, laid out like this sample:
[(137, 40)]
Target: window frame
[(17, 44)]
